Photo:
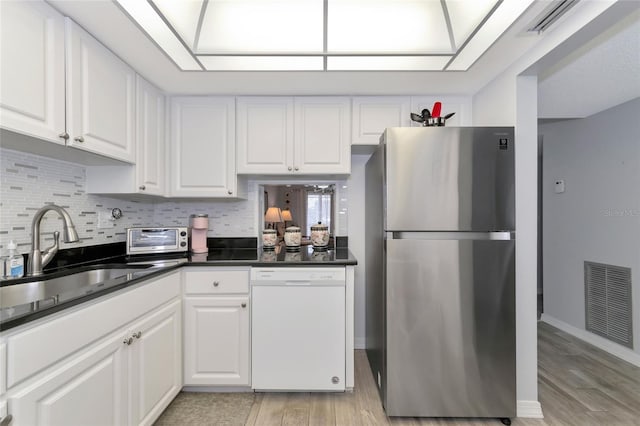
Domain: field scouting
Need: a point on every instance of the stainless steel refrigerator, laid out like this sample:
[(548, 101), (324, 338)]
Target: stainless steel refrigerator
[(440, 271)]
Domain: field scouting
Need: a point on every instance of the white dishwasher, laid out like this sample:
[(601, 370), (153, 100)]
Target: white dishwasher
[(298, 329)]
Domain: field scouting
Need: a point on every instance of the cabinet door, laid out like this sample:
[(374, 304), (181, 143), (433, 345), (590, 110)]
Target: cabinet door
[(156, 364), (373, 114), (89, 389), (100, 97), (216, 342), (150, 124), (265, 135), (202, 147), (322, 130), (32, 75)]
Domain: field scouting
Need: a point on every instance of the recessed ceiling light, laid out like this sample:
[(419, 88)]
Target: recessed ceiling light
[(324, 35)]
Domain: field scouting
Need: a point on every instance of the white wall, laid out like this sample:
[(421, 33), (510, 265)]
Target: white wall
[(509, 100), (356, 226), (597, 218)]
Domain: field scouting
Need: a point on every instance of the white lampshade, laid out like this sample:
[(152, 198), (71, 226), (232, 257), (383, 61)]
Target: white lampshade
[(274, 214), (286, 215)]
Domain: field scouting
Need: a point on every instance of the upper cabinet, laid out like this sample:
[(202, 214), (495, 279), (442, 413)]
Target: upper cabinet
[(202, 147), (148, 175), (302, 135), (100, 97), (32, 77), (265, 134), (322, 135), (373, 114), (150, 134)]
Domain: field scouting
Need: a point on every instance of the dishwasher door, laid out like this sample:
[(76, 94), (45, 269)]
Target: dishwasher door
[(298, 329)]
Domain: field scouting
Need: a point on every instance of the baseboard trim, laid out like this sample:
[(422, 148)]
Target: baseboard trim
[(359, 343), (529, 409), (606, 345)]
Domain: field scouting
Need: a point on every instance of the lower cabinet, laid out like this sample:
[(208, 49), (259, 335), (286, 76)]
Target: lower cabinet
[(216, 327), (216, 341), (127, 377), (155, 364)]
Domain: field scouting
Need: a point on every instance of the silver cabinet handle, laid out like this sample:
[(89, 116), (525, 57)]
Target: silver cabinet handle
[(137, 335), (230, 192), (64, 135), (335, 380), (296, 169), (5, 421), (289, 168), (128, 341), (79, 139), (244, 305), (142, 187), (216, 283)]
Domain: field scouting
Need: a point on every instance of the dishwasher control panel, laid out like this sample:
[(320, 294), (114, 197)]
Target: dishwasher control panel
[(298, 274)]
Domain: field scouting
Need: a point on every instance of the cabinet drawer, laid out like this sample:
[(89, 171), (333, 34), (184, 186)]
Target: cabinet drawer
[(72, 331), (209, 281)]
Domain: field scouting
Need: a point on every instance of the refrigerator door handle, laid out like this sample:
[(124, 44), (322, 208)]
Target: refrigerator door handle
[(502, 235), (446, 235)]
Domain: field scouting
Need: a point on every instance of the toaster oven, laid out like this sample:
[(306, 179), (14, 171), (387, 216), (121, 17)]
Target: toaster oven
[(156, 240)]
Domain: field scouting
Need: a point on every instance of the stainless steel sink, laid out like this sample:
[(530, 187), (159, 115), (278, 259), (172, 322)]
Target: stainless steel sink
[(49, 290)]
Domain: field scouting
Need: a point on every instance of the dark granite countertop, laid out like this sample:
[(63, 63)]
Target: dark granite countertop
[(218, 256)]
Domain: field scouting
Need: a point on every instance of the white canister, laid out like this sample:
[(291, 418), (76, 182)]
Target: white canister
[(320, 235), (269, 239), (292, 237)]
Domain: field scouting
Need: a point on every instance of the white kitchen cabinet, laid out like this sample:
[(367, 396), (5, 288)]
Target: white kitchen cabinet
[(321, 135), (265, 135), (301, 135), (216, 341), (461, 105), (89, 389), (216, 327), (372, 114), (202, 156), (148, 175), (155, 363), (115, 361), (150, 140), (100, 97), (32, 98)]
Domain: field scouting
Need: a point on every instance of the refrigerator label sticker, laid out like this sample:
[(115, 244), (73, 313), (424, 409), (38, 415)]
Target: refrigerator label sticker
[(504, 144)]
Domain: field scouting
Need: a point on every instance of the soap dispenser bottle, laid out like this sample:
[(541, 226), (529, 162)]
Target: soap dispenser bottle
[(14, 266)]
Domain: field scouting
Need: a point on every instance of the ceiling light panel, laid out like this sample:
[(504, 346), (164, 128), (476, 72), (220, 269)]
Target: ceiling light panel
[(262, 63), (387, 63), (382, 26), (465, 17), (183, 16), (258, 26), (147, 18), (503, 17)]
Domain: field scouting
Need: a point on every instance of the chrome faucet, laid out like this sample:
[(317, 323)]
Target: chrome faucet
[(38, 260)]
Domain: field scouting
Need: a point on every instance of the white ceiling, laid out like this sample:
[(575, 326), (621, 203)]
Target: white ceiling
[(603, 73), (112, 27)]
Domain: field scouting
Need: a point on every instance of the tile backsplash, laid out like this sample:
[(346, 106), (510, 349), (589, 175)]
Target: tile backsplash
[(28, 182)]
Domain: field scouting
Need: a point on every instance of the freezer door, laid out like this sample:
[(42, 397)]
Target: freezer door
[(450, 328), (449, 179)]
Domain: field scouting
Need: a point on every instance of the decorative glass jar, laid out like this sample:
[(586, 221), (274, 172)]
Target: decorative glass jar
[(292, 237), (320, 236), (269, 239)]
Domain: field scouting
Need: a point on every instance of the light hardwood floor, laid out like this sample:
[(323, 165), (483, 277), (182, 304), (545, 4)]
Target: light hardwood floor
[(578, 385)]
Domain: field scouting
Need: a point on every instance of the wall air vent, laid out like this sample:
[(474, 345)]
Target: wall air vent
[(608, 302), (551, 14)]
